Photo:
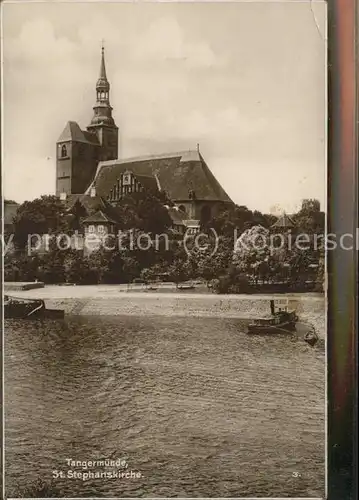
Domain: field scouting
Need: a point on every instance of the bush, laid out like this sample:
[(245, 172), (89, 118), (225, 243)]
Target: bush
[(240, 285), (231, 283), (222, 284)]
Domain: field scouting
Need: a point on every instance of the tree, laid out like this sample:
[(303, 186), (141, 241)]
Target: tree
[(310, 205), (180, 271), (131, 268), (39, 216), (309, 219), (320, 279), (99, 265), (76, 267), (144, 211), (51, 267), (214, 260)]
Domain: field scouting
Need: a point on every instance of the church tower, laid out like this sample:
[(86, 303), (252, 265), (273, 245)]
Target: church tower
[(79, 151), (102, 123)]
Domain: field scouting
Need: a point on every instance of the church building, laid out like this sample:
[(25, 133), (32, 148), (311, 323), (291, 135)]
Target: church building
[(88, 164)]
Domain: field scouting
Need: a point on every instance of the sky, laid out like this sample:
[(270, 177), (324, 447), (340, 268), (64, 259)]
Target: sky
[(246, 81)]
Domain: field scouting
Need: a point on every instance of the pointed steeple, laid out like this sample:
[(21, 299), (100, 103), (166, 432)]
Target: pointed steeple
[(102, 82), (102, 123), (102, 108)]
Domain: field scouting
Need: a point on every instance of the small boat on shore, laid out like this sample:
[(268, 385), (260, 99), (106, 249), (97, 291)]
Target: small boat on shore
[(279, 321), (311, 337), (21, 308)]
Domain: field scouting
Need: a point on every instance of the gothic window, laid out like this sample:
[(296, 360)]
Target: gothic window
[(63, 151)]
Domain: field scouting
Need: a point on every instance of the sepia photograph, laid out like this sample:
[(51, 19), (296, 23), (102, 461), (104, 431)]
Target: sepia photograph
[(164, 247)]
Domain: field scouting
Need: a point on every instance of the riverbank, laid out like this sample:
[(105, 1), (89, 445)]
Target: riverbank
[(15, 286), (116, 300)]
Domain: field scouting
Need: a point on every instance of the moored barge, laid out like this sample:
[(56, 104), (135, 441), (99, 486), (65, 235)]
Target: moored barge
[(21, 308), (281, 320)]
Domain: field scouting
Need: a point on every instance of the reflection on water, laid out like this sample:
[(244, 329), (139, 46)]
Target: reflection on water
[(195, 405)]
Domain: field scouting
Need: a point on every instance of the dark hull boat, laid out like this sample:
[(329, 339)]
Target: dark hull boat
[(281, 321), (311, 337), (19, 308)]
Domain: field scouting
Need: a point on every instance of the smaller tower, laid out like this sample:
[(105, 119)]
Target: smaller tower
[(102, 123)]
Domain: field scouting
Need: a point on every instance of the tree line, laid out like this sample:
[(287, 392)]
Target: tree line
[(225, 266)]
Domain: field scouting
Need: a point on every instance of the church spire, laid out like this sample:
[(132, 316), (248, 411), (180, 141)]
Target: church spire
[(103, 78), (102, 108), (102, 123), (102, 85)]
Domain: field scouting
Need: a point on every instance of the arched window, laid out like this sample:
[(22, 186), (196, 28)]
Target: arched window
[(63, 151)]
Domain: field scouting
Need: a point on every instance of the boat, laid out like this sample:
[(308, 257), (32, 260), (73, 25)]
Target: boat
[(21, 308), (281, 320), (311, 337)]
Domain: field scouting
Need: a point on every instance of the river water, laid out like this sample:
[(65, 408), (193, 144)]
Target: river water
[(194, 406)]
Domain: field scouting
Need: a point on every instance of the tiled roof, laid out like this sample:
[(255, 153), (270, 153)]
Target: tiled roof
[(99, 217), (148, 182), (73, 132), (284, 221), (177, 173), (91, 203), (91, 137)]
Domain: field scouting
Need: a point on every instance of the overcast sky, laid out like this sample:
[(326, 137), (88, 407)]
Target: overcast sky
[(244, 80)]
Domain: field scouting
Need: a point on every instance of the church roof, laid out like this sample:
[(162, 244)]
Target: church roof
[(90, 203), (91, 137), (284, 221), (93, 205), (147, 181), (177, 174), (73, 132), (99, 217)]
